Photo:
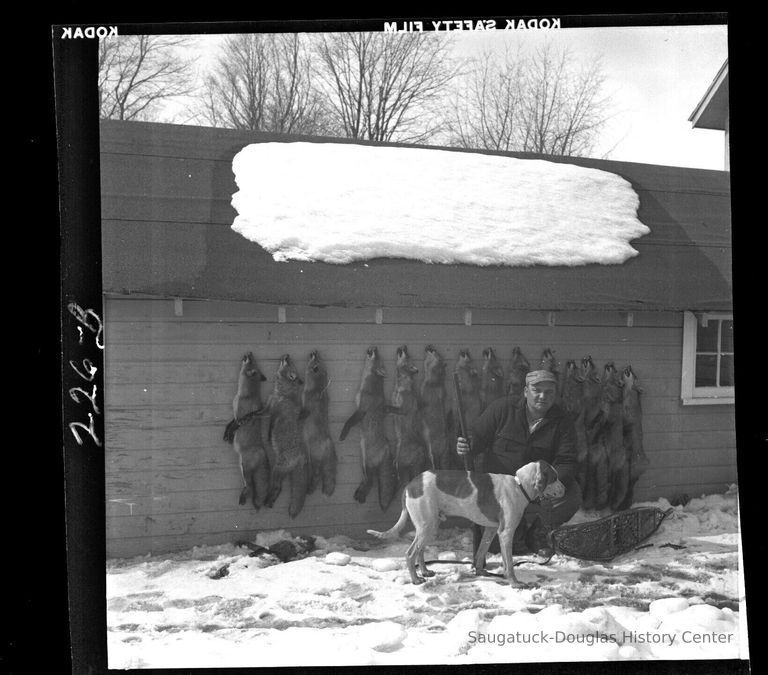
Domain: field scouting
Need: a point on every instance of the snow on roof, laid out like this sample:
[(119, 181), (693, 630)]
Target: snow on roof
[(339, 203)]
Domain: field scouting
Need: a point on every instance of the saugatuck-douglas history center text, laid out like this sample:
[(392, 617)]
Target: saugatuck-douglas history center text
[(597, 637)]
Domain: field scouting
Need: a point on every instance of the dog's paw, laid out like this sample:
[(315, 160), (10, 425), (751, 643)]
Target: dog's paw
[(418, 580), (428, 573)]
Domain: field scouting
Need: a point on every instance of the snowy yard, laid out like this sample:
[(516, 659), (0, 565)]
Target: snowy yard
[(350, 602)]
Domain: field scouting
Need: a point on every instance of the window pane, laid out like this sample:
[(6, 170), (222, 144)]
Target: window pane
[(726, 337), (706, 370), (706, 338), (726, 371)]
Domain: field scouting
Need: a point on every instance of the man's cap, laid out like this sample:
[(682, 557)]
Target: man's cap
[(536, 376)]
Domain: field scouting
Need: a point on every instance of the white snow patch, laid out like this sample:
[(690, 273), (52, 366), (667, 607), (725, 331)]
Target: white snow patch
[(339, 542), (338, 203), (386, 564), (667, 606), (336, 558), (383, 636), (459, 629)]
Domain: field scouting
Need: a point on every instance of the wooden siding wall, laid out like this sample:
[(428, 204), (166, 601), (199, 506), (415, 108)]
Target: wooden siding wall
[(173, 483)]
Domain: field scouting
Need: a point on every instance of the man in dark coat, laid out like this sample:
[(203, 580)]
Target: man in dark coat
[(509, 437)]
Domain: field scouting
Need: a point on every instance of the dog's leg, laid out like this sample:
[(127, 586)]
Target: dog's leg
[(506, 536), (418, 554), (410, 560), (427, 535), (424, 518), (482, 550), (425, 571)]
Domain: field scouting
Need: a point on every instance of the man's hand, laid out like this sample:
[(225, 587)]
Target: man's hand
[(462, 446)]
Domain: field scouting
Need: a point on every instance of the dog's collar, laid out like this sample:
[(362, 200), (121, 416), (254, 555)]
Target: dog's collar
[(522, 489)]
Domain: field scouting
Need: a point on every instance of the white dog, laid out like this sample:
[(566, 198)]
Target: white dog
[(493, 500)]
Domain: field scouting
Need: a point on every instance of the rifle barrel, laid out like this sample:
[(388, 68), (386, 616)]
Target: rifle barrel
[(462, 420)]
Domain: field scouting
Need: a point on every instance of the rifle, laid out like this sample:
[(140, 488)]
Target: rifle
[(462, 419)]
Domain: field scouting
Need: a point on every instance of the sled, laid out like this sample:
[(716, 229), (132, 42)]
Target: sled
[(604, 539)]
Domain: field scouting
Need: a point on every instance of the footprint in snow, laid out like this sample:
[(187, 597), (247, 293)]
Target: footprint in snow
[(145, 594)]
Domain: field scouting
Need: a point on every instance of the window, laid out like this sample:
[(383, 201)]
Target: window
[(707, 358)]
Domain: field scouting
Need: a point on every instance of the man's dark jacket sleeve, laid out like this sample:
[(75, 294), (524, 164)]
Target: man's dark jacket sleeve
[(565, 461)]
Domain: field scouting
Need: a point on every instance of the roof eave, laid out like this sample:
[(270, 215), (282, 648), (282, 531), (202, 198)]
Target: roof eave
[(703, 107)]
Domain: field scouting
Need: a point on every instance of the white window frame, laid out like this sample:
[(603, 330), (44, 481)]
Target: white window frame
[(691, 394)]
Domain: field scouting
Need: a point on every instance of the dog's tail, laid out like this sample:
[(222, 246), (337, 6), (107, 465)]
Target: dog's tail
[(394, 531)]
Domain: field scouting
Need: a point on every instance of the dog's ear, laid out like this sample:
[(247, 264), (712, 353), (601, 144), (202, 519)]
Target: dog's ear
[(551, 473), (541, 481), (545, 475)]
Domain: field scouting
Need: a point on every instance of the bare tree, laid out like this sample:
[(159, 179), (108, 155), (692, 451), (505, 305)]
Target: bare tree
[(541, 103), (382, 86), (487, 110), (264, 83), (137, 73)]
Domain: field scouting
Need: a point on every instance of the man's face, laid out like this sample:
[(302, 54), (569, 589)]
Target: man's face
[(540, 396)]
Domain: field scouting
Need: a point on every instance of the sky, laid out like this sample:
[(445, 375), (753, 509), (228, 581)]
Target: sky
[(655, 76)]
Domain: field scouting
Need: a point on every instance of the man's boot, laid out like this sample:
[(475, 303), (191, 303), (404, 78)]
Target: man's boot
[(537, 539)]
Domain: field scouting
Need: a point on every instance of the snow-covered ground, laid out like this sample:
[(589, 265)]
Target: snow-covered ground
[(337, 203), (351, 602)]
